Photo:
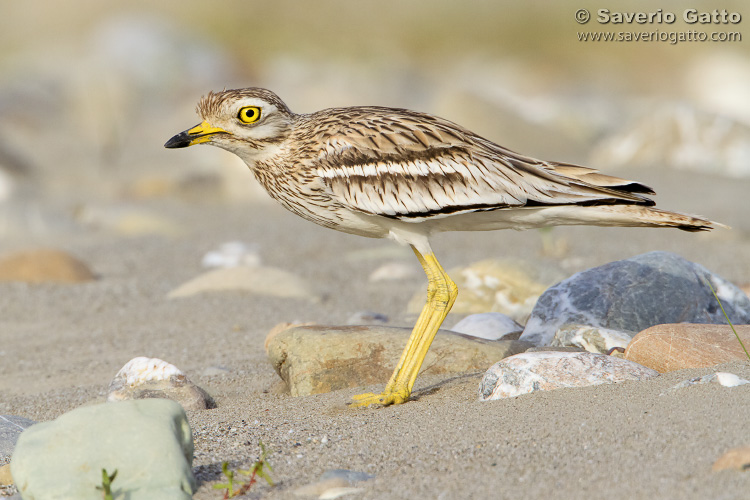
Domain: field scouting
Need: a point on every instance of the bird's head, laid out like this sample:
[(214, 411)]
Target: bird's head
[(248, 122)]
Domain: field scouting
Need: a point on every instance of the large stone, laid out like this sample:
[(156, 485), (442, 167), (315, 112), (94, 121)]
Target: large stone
[(10, 428), (545, 371), (148, 443), (505, 286), (257, 280), (317, 359), (666, 348), (633, 294), (44, 266)]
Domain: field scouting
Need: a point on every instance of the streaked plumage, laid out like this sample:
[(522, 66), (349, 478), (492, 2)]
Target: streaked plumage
[(384, 172)]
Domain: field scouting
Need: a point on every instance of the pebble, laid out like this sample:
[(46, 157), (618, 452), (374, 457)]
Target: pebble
[(333, 484), (589, 338), (367, 318), (736, 458), (723, 379), (148, 442), (505, 286), (670, 347), (633, 294), (318, 359), (232, 254), (11, 427), (267, 281), (6, 479), (143, 378), (490, 326), (543, 371), (127, 221), (394, 271), (44, 266)]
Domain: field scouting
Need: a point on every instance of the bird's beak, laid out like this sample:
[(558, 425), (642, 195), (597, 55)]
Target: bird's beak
[(196, 135)]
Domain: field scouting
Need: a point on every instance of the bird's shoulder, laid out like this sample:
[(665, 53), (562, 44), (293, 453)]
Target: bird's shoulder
[(375, 131)]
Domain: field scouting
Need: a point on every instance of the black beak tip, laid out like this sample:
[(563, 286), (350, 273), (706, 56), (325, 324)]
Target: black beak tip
[(181, 140)]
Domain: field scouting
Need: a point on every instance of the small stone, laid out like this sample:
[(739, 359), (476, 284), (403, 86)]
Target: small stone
[(634, 294), (258, 280), (393, 271), (490, 326), (6, 479), (545, 371), (736, 458), (148, 443), (333, 484), (590, 338), (367, 318), (723, 379), (44, 266), (334, 493), (10, 428), (232, 254), (318, 359), (509, 287), (145, 378), (128, 221), (320, 487), (670, 347)]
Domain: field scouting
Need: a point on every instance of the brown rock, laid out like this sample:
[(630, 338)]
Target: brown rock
[(318, 359), (736, 458), (44, 266), (670, 347), (281, 327), (5, 478)]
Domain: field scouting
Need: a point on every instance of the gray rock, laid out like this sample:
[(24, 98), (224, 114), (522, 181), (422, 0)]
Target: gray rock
[(589, 338), (148, 443), (545, 371), (11, 427), (490, 326), (634, 294)]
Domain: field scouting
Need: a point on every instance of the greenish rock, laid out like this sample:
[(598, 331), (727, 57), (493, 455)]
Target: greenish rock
[(148, 442)]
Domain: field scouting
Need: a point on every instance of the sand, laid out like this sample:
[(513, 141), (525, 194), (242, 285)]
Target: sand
[(62, 344)]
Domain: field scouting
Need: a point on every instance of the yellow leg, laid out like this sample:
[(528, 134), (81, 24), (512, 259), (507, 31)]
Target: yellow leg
[(441, 294)]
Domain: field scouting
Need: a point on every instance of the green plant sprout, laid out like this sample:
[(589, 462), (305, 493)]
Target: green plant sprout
[(106, 486), (257, 470), (728, 320)]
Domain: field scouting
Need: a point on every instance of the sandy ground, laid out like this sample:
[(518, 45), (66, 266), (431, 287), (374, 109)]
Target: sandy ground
[(61, 345)]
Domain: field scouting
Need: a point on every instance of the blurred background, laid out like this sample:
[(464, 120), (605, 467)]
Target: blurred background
[(90, 90)]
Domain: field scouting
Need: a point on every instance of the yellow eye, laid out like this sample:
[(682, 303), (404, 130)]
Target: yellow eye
[(249, 114)]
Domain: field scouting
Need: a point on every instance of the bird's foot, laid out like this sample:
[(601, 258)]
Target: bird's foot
[(386, 398)]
